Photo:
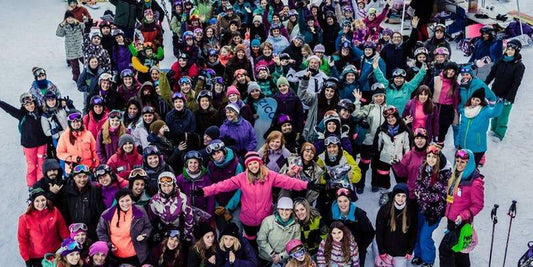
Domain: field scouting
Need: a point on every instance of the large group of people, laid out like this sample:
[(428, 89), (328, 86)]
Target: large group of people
[(171, 165)]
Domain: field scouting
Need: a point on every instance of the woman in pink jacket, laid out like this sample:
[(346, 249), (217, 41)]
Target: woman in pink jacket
[(126, 158), (465, 199), (406, 170), (256, 184), (96, 116)]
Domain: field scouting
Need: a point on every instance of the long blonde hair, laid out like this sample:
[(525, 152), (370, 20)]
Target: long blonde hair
[(263, 173), (235, 247), (106, 137), (393, 216)]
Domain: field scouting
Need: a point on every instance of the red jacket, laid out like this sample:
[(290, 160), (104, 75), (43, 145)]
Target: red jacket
[(92, 125), (41, 232), (191, 71), (122, 163)]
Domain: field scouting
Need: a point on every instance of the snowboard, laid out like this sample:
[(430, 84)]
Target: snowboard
[(266, 108), (527, 259)]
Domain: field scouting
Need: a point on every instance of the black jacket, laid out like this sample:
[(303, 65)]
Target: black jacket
[(507, 77), (30, 128), (112, 100), (396, 243), (45, 182), (396, 56), (82, 207)]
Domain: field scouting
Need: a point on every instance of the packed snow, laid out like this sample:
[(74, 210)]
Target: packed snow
[(28, 33)]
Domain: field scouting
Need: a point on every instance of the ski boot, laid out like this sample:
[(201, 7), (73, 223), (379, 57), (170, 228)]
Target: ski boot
[(384, 198), (417, 261)]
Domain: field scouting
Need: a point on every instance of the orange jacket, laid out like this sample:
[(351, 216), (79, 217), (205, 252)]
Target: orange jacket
[(84, 147)]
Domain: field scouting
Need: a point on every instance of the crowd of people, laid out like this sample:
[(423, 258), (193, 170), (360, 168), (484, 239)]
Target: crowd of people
[(166, 165)]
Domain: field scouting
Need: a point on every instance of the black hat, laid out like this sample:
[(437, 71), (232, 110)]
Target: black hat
[(480, 93), (122, 193), (451, 65), (202, 229), (231, 229), (213, 132), (400, 188), (35, 192), (68, 14)]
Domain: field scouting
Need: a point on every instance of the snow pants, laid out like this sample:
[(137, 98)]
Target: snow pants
[(446, 115), (367, 156), (34, 163), (499, 124), (75, 66), (425, 246), (381, 174), (450, 258)]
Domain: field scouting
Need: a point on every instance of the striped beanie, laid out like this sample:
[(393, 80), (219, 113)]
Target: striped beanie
[(252, 156)]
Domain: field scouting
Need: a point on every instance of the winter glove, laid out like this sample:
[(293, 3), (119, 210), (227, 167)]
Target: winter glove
[(312, 186), (220, 210), (56, 130)]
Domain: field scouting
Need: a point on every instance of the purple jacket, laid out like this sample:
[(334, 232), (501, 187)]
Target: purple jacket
[(188, 185), (408, 167), (140, 224), (105, 151), (121, 57), (432, 120), (242, 133), (108, 194)]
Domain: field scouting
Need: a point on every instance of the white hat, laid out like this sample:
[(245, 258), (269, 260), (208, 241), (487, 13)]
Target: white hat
[(285, 203)]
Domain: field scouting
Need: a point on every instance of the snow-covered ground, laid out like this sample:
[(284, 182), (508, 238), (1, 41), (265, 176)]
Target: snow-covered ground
[(28, 33)]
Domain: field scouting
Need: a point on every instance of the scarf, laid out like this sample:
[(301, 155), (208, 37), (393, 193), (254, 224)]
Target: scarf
[(399, 207), (280, 221), (471, 112), (392, 130), (42, 84), (283, 97), (507, 58)]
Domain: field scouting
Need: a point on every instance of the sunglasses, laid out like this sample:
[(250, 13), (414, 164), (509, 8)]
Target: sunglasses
[(76, 227), (115, 114), (214, 147), (332, 140), (462, 154), (76, 116), (80, 169)]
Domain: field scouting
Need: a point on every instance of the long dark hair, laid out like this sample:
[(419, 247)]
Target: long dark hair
[(428, 105), (345, 243), (177, 253)]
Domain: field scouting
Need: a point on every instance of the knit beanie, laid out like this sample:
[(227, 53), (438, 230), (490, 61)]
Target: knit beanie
[(252, 156), (240, 47), (307, 146), (231, 229), (98, 247), (400, 188), (68, 246), (69, 14), (282, 80), (232, 90), (255, 42), (35, 192), (257, 18), (319, 49), (252, 86), (156, 126), (125, 138), (213, 132), (479, 93), (233, 107), (311, 57), (202, 229)]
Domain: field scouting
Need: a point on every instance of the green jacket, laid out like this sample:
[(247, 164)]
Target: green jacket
[(127, 12), (399, 97)]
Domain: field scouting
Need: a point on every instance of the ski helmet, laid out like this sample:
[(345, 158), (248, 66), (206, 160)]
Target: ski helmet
[(292, 244), (118, 32), (421, 50), (488, 29), (204, 93), (399, 72), (193, 154), (126, 73), (515, 44), (96, 100), (167, 178), (214, 146), (38, 71), (346, 104), (103, 169), (26, 98), (188, 34), (105, 77)]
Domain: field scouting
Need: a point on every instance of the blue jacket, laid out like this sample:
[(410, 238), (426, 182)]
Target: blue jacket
[(473, 131), (242, 132), (181, 122), (366, 75), (399, 97), (494, 49), (475, 84)]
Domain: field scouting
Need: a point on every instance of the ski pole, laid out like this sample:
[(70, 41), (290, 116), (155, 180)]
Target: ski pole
[(494, 218), (512, 214)]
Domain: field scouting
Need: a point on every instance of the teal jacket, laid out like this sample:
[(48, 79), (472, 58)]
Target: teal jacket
[(473, 131), (399, 97), (466, 92)]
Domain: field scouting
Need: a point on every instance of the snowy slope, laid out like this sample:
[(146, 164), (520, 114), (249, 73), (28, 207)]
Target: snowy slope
[(28, 32)]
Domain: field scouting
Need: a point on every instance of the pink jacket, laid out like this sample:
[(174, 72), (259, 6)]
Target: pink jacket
[(122, 163), (256, 198), (408, 167), (92, 125), (468, 200)]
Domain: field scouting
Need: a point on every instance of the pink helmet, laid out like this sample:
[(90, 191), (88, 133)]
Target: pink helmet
[(292, 244)]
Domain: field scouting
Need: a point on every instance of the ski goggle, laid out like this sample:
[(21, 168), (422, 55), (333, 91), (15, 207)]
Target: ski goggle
[(97, 100), (184, 80), (399, 73), (390, 111), (433, 149), (39, 72), (148, 109), (26, 100), (76, 227), (420, 132), (512, 45), (76, 116), (177, 95), (218, 80), (214, 146), (80, 169), (115, 113), (101, 170), (193, 155), (332, 140), (441, 51), (298, 253), (174, 233), (205, 93), (150, 150), (166, 180), (126, 73), (462, 154), (137, 172), (71, 245)]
